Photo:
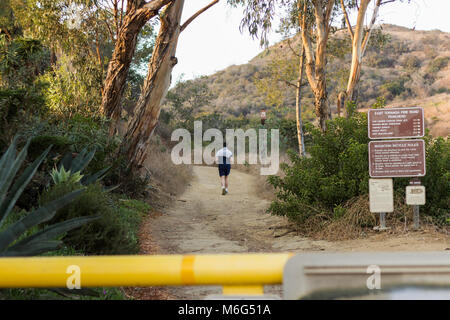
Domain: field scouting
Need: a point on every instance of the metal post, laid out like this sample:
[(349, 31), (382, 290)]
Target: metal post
[(416, 217), (382, 220)]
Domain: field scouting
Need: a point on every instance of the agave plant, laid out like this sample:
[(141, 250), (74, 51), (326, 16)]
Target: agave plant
[(62, 176), (74, 165), (43, 240)]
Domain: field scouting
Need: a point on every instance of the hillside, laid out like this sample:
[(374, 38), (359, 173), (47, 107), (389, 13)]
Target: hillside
[(411, 68)]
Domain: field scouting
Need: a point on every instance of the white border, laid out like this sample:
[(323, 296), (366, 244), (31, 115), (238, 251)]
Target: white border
[(424, 157), (423, 123)]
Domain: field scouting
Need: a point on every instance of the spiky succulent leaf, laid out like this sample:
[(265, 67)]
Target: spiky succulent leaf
[(66, 161), (6, 160), (82, 161), (94, 177), (62, 176), (20, 184), (53, 231), (33, 250), (42, 214)]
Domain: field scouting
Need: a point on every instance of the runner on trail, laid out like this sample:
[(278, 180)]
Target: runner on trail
[(223, 158)]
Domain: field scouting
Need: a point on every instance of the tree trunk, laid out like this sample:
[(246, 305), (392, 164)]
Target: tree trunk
[(321, 101), (357, 49), (137, 15), (359, 45), (301, 140), (140, 128), (316, 59)]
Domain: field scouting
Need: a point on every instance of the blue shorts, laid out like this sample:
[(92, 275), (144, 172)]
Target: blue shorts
[(224, 169)]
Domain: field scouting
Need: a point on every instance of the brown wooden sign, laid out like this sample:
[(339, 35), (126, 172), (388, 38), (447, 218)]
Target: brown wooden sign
[(396, 123), (397, 158)]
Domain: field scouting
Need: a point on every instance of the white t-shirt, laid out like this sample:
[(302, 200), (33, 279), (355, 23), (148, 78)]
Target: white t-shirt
[(224, 152)]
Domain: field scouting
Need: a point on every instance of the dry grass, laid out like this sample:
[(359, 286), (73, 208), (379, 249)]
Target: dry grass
[(358, 222), (164, 174)]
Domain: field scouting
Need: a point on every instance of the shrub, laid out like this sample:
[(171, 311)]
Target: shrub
[(437, 178), (16, 106), (380, 61), (337, 172), (20, 235), (74, 135), (411, 62), (395, 87), (113, 233), (437, 64)]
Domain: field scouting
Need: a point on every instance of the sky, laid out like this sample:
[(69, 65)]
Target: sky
[(213, 41)]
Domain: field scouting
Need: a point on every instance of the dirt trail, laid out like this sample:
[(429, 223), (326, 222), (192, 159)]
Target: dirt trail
[(201, 221)]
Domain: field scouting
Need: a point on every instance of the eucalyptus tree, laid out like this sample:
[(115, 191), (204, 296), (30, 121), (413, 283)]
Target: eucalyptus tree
[(360, 36), (140, 128), (282, 74), (313, 18), (128, 22), (77, 36)]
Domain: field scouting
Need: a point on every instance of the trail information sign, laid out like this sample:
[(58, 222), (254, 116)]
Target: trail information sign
[(396, 123), (397, 158), (381, 195), (415, 195)]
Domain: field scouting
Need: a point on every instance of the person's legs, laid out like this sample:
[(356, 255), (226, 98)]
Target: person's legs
[(228, 169)]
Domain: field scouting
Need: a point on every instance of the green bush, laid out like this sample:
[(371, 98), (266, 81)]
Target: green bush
[(337, 171), (437, 64), (380, 61), (74, 135), (395, 87), (21, 234), (411, 62), (114, 233), (437, 178)]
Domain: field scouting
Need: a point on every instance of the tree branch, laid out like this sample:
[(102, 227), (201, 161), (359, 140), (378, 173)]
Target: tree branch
[(306, 40), (156, 4), (388, 1), (372, 22), (289, 83), (347, 20), (292, 49), (199, 12)]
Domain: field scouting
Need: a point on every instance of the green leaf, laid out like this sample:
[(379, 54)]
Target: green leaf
[(111, 188), (19, 186), (66, 161), (6, 160), (42, 214), (10, 169), (33, 250), (94, 177), (54, 231), (81, 162)]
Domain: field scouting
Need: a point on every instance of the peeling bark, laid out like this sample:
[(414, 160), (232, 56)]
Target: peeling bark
[(298, 107), (316, 60), (359, 45), (141, 126), (138, 13)]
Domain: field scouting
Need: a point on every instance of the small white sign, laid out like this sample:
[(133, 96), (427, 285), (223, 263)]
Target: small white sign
[(415, 195), (381, 195)]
